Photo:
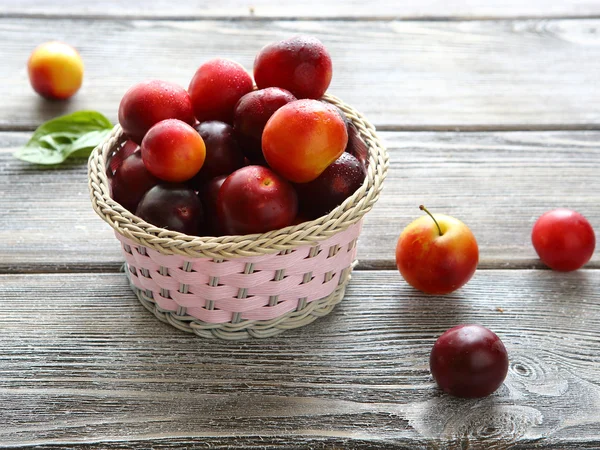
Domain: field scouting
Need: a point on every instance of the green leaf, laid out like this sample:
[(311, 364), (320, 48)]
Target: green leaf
[(75, 134)]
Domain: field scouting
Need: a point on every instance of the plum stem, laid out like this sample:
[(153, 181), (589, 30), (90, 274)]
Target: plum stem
[(422, 208)]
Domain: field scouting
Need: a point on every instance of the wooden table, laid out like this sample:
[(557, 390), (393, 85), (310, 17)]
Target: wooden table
[(491, 113)]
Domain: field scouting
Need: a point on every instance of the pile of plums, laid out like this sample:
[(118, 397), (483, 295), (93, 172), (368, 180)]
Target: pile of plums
[(225, 158)]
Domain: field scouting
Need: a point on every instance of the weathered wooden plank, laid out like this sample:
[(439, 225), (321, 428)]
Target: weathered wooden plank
[(300, 443), (497, 183), (411, 9), (83, 362), (414, 75)]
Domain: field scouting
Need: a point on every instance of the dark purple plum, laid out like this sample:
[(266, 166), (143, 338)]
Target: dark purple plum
[(356, 146), (223, 154), (173, 207), (469, 361), (251, 114), (338, 182), (127, 148), (208, 194), (131, 181)]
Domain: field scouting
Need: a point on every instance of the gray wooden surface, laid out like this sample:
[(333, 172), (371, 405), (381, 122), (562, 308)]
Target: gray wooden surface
[(314, 9), (84, 365), (100, 370), (521, 74), (496, 182)]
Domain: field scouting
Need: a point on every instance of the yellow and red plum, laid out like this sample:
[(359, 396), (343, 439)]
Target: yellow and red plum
[(437, 257), (302, 138), (55, 70), (173, 151)]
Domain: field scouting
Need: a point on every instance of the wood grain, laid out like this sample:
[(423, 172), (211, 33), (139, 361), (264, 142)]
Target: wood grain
[(408, 9), (84, 363), (506, 74), (497, 183)]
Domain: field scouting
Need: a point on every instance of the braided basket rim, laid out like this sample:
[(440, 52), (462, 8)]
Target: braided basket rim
[(307, 233)]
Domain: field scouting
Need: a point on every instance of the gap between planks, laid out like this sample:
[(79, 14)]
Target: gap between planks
[(363, 265), (478, 128), (266, 18)]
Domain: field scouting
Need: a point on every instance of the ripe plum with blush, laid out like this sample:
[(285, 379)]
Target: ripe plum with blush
[(300, 64), (254, 199), (149, 102), (216, 87)]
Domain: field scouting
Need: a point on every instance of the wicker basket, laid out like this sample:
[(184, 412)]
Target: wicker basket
[(235, 287)]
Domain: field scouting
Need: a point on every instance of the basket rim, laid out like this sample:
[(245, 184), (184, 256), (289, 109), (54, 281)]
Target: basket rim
[(306, 233)]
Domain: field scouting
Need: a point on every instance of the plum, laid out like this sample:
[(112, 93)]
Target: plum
[(223, 154), (469, 361), (251, 114), (329, 190), (302, 138), (131, 181), (301, 65), (356, 146), (55, 70), (254, 199), (216, 87), (173, 207), (173, 151), (149, 102), (125, 149), (208, 194)]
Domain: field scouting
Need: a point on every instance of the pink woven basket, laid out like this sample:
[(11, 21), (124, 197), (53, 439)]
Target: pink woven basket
[(235, 287)]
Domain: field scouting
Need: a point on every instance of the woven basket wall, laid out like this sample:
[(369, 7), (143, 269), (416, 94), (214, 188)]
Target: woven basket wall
[(235, 287)]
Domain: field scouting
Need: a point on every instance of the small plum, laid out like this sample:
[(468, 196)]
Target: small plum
[(127, 148), (302, 138), (209, 193), (356, 146), (55, 70), (216, 87), (469, 361), (149, 102), (173, 207), (251, 114), (223, 154), (131, 181), (173, 151), (300, 64), (299, 219), (254, 199), (437, 255), (329, 190), (563, 239)]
